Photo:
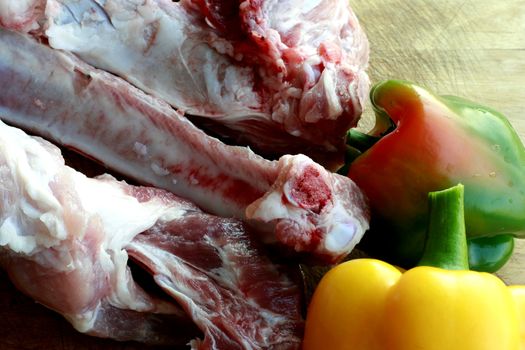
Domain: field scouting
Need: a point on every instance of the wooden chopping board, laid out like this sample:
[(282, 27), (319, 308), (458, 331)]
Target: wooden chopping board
[(474, 49)]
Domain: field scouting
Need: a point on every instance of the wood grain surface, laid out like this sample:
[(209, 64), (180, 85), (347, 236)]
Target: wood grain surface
[(469, 48), (474, 49)]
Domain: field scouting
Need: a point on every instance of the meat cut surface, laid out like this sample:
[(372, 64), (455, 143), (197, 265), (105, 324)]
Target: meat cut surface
[(66, 241), (183, 259), (294, 200), (284, 77), (250, 307)]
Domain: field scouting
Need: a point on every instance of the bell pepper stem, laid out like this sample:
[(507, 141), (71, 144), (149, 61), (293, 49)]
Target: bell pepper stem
[(360, 140), (446, 242)]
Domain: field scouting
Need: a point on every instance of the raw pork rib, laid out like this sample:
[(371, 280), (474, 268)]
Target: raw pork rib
[(56, 95), (65, 240), (285, 77), (22, 15)]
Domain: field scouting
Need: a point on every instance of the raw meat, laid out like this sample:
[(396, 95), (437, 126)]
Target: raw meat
[(294, 200), (251, 306), (22, 15), (284, 77), (65, 240)]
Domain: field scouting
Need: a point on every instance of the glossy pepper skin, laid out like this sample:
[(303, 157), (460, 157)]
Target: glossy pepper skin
[(489, 254), (428, 143), (367, 304)]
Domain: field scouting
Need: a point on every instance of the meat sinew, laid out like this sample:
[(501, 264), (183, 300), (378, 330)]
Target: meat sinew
[(294, 199), (123, 81), (65, 240), (284, 77)]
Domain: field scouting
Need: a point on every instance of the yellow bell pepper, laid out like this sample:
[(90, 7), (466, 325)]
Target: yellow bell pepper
[(518, 292), (367, 304)]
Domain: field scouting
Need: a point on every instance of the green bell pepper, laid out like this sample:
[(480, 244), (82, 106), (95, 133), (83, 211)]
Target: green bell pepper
[(423, 143), (489, 254)]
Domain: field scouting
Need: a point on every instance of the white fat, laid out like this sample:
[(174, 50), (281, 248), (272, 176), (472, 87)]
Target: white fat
[(122, 216), (162, 53), (85, 321), (27, 172), (213, 86), (159, 170), (120, 259), (172, 214), (10, 9), (272, 208), (54, 224), (340, 237), (193, 180), (18, 12), (125, 295), (11, 236), (344, 228), (325, 86), (295, 132), (309, 5), (334, 106), (15, 8), (140, 148), (34, 217), (83, 26)]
